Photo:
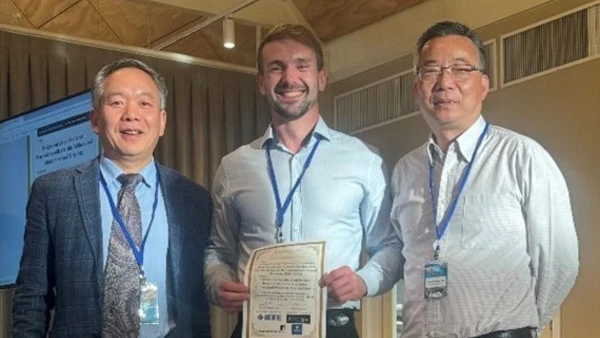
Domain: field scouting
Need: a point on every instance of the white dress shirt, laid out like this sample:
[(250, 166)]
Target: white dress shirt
[(343, 198), (511, 246)]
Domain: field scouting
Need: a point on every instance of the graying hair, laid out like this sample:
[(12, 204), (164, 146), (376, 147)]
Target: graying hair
[(112, 67), (447, 28)]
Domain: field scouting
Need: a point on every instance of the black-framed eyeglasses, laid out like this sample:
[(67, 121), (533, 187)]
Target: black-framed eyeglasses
[(457, 72)]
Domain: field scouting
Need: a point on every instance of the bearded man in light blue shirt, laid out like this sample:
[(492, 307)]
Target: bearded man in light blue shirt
[(341, 195)]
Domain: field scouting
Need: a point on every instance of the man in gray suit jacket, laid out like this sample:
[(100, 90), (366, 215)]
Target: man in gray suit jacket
[(74, 229)]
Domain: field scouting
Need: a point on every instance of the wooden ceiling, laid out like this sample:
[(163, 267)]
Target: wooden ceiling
[(154, 23)]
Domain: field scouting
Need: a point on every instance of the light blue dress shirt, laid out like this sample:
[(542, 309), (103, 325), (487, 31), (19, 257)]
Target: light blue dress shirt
[(343, 199), (155, 253)]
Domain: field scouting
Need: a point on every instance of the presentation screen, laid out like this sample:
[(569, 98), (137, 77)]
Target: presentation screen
[(57, 135)]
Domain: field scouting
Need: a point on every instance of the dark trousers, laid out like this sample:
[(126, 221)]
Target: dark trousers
[(524, 332), (337, 327)]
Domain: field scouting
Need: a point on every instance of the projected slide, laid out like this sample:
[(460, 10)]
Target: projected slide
[(58, 135), (62, 144)]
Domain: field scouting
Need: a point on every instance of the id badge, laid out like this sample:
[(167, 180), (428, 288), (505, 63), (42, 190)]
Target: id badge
[(436, 280), (149, 303)]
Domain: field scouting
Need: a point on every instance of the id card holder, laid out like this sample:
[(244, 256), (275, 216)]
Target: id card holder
[(436, 280), (148, 303)]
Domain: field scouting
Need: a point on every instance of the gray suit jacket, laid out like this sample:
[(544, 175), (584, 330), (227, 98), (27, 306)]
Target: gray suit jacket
[(61, 267)]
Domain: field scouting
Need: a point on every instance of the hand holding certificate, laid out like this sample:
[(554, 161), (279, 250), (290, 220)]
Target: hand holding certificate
[(285, 297)]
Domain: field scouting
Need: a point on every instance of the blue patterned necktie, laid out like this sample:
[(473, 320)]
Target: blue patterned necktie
[(122, 273)]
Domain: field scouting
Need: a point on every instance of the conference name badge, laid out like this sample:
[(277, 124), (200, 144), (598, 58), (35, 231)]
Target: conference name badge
[(436, 280), (149, 303)]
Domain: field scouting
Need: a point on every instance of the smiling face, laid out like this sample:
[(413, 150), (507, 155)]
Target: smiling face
[(129, 121), (290, 79), (448, 102)]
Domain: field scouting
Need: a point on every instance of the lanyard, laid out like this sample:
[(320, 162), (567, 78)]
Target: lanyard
[(139, 254), (281, 209), (441, 228)]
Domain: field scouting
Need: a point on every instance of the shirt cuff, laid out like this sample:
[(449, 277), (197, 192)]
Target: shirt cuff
[(369, 276)]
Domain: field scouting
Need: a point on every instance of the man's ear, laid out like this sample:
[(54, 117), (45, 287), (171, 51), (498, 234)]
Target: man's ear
[(163, 122), (322, 79), (260, 83), (94, 121), (485, 86)]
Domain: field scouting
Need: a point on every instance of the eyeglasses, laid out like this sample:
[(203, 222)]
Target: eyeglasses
[(456, 72)]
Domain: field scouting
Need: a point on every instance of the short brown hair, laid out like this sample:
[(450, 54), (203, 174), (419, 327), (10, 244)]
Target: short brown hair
[(294, 32)]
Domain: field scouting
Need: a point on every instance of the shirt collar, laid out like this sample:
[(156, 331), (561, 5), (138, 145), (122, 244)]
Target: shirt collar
[(111, 172), (465, 143), (321, 130), (434, 152)]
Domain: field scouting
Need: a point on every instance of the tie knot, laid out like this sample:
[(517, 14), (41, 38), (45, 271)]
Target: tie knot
[(130, 179)]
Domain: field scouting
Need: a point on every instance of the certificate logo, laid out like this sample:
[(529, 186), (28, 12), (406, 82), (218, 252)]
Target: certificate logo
[(269, 317), (296, 329), (298, 319)]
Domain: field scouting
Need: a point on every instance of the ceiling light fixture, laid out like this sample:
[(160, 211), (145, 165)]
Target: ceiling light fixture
[(228, 33)]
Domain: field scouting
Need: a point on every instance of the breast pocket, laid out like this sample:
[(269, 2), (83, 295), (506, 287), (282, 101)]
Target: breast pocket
[(492, 222)]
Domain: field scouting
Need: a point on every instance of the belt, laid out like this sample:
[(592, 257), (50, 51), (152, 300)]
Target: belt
[(339, 317), (524, 332)]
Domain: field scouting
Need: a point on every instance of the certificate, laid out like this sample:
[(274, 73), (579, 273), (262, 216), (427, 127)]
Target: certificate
[(286, 299)]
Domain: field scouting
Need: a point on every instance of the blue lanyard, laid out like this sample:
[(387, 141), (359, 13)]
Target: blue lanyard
[(441, 228), (281, 209), (139, 254)]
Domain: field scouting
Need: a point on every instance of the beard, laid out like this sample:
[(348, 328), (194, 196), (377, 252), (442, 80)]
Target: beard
[(291, 112)]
